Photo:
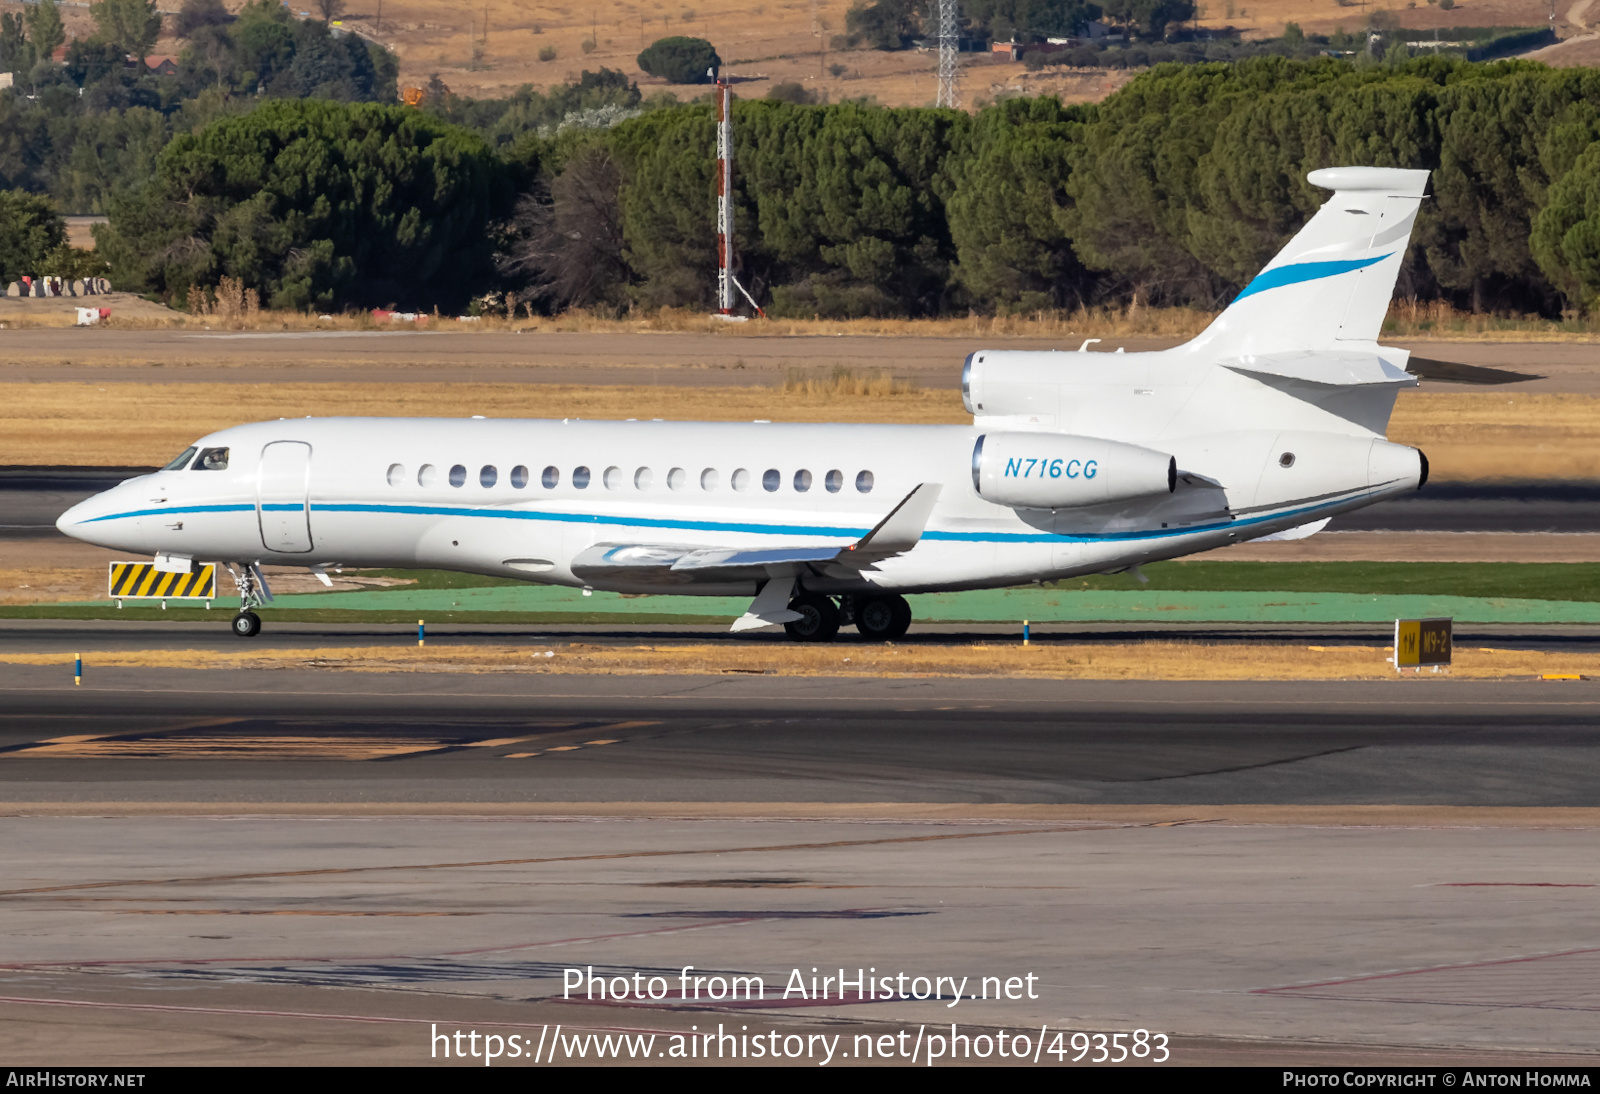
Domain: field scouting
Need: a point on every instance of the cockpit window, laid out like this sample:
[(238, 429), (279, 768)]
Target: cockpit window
[(212, 459), (182, 461)]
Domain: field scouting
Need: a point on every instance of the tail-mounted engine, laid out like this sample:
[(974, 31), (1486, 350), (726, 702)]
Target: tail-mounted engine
[(1055, 471)]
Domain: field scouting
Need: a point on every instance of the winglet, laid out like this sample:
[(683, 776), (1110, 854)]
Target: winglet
[(901, 530)]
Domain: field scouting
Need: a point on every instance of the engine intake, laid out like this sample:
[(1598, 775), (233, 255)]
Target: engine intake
[(1056, 471)]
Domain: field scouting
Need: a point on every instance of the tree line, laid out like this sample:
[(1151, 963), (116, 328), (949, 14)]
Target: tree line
[(96, 122), (1175, 190)]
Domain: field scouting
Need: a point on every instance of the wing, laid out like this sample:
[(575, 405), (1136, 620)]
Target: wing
[(675, 567)]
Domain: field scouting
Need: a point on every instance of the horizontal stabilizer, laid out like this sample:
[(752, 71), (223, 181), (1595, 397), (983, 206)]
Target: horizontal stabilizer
[(1332, 369)]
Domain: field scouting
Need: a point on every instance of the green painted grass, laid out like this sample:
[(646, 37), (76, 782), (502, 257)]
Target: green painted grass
[(1519, 580), (1200, 592)]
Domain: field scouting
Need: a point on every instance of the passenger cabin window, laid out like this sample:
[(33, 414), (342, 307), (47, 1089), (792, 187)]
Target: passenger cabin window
[(458, 475), (519, 477), (488, 476), (834, 481), (397, 474), (182, 461), (677, 478), (427, 475), (642, 478), (771, 479), (580, 478), (740, 479), (212, 459), (551, 478), (613, 478), (802, 481), (864, 482), (708, 479)]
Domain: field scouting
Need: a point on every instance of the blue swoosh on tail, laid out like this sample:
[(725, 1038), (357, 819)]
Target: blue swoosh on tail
[(1295, 273)]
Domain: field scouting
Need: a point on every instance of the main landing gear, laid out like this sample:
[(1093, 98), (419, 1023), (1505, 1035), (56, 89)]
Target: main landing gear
[(247, 624), (879, 618)]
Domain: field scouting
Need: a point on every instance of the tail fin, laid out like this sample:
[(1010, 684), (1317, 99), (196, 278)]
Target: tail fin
[(1331, 285)]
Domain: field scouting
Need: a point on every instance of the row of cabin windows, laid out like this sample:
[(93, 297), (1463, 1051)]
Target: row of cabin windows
[(615, 478)]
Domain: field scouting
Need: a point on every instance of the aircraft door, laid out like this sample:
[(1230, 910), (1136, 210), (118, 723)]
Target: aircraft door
[(283, 497)]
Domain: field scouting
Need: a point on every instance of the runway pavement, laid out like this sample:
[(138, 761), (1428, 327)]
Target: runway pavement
[(317, 867), (137, 939), (326, 736), (357, 939)]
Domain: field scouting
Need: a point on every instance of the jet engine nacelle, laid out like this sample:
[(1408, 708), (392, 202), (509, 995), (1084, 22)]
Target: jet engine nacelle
[(1057, 471)]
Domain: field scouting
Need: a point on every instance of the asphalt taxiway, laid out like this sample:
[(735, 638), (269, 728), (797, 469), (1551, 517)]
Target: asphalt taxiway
[(1421, 939), (338, 737), (328, 867)]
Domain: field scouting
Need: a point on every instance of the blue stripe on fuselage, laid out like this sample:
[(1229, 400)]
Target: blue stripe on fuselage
[(753, 529)]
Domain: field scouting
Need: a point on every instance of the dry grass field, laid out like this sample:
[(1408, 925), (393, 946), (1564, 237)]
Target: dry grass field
[(1054, 660), (51, 584), (130, 312), (1433, 321), (145, 424), (1467, 435)]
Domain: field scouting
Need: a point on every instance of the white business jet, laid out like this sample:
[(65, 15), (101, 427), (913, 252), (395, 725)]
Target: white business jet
[(1268, 423)]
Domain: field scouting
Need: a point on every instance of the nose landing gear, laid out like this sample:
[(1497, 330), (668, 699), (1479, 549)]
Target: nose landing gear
[(253, 592)]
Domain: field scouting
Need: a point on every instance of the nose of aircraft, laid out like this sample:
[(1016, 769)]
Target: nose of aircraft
[(82, 520), (68, 523)]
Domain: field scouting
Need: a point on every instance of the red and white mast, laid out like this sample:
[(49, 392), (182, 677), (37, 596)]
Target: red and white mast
[(724, 198)]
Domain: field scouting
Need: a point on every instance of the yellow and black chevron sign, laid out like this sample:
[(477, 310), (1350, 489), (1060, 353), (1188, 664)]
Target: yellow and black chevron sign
[(131, 580)]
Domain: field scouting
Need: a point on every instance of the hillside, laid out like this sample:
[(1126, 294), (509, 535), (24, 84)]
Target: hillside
[(769, 41), (1266, 18), (761, 42), (489, 49)]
